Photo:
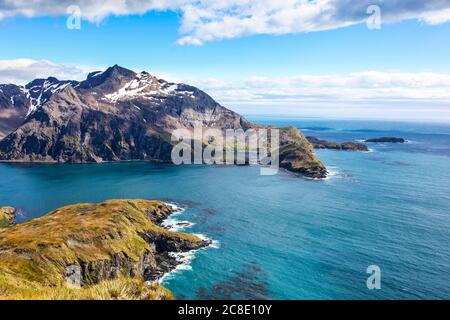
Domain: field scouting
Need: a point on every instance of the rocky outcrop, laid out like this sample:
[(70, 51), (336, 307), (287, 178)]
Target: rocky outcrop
[(386, 140), (7, 216), (86, 244), (116, 115), (347, 146), (297, 155)]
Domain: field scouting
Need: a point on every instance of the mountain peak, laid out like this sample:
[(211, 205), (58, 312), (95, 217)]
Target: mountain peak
[(116, 69), (41, 81), (109, 79)]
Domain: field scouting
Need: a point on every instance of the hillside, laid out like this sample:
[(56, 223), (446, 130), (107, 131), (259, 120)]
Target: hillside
[(91, 250)]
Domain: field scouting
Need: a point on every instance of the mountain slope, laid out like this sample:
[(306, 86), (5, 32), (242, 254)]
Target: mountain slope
[(117, 115), (16, 102), (14, 106)]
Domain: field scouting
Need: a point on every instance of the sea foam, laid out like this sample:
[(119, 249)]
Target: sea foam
[(184, 259)]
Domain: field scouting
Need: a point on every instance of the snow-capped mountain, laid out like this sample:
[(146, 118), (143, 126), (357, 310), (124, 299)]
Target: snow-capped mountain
[(40, 90), (117, 115), (112, 115), (17, 102)]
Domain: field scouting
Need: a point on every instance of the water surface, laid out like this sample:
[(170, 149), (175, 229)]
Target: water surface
[(284, 237)]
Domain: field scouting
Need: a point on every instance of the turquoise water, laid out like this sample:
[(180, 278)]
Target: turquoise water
[(283, 237)]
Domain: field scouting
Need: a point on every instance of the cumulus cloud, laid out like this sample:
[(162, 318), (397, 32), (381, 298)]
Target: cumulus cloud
[(381, 95), (360, 86), (204, 20), (92, 10), (338, 88), (21, 71)]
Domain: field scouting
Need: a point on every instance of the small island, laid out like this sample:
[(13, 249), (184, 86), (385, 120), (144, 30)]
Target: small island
[(112, 250), (346, 146), (386, 140)]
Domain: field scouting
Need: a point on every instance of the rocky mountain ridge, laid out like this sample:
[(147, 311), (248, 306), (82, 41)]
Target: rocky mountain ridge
[(117, 115)]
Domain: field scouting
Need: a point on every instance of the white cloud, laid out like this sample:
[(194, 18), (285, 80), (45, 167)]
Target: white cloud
[(360, 86), (386, 94), (336, 88), (92, 10), (205, 20), (367, 95), (438, 17), (21, 71)]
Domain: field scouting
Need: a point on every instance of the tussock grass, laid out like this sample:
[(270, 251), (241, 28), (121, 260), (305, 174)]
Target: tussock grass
[(117, 289)]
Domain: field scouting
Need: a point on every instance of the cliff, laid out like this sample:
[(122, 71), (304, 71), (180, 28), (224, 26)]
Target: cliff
[(297, 154), (90, 251)]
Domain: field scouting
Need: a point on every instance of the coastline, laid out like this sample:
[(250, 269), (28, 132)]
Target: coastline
[(115, 241), (181, 260)]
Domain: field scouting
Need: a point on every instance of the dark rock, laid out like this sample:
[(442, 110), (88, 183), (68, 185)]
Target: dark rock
[(386, 140)]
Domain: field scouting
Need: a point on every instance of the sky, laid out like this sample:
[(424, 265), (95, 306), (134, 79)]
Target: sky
[(322, 58)]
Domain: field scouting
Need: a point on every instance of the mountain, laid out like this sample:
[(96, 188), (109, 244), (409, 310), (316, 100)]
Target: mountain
[(16, 102), (14, 105), (118, 115)]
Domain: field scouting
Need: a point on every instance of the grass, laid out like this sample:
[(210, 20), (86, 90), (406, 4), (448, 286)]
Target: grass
[(296, 153), (122, 288), (34, 255)]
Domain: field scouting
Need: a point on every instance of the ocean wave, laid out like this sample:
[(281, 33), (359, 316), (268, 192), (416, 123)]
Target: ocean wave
[(215, 244), (175, 225), (332, 172), (183, 259), (175, 208)]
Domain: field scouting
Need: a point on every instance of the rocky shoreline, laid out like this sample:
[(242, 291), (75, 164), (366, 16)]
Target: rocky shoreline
[(83, 246)]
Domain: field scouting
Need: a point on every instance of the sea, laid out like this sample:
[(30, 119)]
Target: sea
[(281, 236)]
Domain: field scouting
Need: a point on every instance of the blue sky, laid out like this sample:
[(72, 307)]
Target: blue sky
[(363, 69), (149, 42)]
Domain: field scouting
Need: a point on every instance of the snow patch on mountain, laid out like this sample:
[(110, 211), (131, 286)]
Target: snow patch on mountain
[(39, 94), (143, 85)]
